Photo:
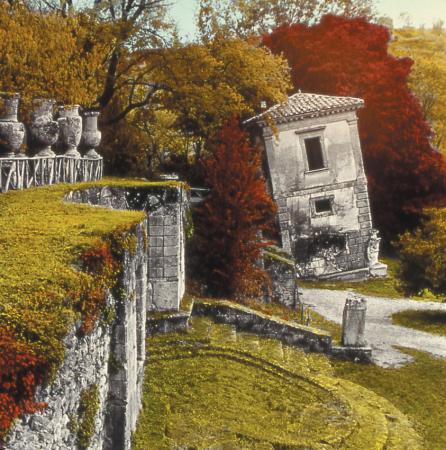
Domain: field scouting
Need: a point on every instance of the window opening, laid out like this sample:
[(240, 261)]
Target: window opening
[(322, 206), (313, 147)]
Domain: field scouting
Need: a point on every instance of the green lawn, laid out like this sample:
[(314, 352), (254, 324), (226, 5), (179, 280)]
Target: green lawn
[(417, 389), (430, 321), (204, 389)]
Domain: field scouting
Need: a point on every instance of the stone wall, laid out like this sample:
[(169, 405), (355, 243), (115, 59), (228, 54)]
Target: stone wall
[(111, 359), (247, 319), (166, 210), (166, 257), (283, 279)]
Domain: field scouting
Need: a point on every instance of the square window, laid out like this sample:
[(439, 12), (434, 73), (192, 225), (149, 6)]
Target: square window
[(322, 206), (315, 157)]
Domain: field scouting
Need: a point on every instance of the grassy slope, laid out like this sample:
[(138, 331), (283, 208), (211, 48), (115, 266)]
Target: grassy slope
[(214, 388), (41, 240), (416, 389)]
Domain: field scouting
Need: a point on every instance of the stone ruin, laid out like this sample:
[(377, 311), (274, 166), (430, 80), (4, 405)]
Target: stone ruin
[(315, 172), (66, 133)]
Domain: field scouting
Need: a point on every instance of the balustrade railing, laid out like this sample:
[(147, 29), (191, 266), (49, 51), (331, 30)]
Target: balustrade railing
[(66, 130), (23, 173)]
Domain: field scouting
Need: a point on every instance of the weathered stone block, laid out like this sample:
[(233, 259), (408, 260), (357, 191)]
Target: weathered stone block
[(170, 261), (171, 230), (165, 295), (353, 321), (170, 241), (170, 220), (155, 220), (156, 231), (156, 262), (155, 273), (155, 252), (171, 251), (156, 241), (171, 272)]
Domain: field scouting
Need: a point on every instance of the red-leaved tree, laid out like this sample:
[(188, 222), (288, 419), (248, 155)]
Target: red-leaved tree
[(349, 57), (230, 223)]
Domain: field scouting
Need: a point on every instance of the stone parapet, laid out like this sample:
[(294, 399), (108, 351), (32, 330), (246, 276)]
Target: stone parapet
[(109, 360)]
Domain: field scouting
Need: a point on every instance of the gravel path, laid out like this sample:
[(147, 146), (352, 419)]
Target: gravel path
[(380, 333)]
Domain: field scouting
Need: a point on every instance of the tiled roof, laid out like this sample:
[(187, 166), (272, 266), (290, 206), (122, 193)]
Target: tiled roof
[(302, 105)]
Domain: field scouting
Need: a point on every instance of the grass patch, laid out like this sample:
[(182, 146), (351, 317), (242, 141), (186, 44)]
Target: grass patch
[(430, 321), (416, 389), (197, 399)]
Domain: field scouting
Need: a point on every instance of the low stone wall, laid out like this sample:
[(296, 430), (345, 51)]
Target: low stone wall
[(109, 360), (247, 319), (168, 323)]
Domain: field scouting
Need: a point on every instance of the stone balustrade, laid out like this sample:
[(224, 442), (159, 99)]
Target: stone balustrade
[(46, 150)]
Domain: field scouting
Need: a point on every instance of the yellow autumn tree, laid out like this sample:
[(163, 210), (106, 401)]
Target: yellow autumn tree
[(205, 84), (427, 47), (52, 56)]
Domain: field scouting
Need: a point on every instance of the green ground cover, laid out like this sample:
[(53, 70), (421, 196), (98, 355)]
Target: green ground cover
[(213, 388), (417, 390), (430, 321)]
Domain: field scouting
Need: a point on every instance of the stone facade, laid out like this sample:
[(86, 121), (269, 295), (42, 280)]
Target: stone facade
[(166, 257), (316, 176)]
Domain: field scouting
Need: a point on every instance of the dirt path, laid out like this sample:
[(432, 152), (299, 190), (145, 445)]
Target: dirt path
[(380, 333)]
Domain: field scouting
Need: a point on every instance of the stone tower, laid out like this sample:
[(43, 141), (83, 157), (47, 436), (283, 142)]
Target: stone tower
[(316, 175)]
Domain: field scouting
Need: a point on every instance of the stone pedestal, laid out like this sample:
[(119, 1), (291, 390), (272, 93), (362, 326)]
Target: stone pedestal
[(353, 321)]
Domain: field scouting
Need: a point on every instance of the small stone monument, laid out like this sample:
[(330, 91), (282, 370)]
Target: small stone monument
[(353, 321)]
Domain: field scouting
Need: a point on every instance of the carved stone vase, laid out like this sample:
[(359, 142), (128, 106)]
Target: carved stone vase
[(44, 130), (91, 136), (12, 131), (70, 123)]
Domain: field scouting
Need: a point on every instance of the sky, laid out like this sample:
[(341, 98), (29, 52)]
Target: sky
[(420, 12)]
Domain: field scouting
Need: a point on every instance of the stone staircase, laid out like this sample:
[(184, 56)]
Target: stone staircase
[(348, 415)]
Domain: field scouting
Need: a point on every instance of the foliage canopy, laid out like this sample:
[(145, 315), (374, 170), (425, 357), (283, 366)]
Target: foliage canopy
[(349, 57), (230, 223)]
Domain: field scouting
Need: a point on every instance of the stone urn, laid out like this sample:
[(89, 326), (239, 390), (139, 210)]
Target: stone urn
[(12, 131), (91, 136), (44, 130), (70, 123)]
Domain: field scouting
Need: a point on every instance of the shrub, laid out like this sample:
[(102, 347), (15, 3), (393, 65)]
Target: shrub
[(423, 254), (230, 222)]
